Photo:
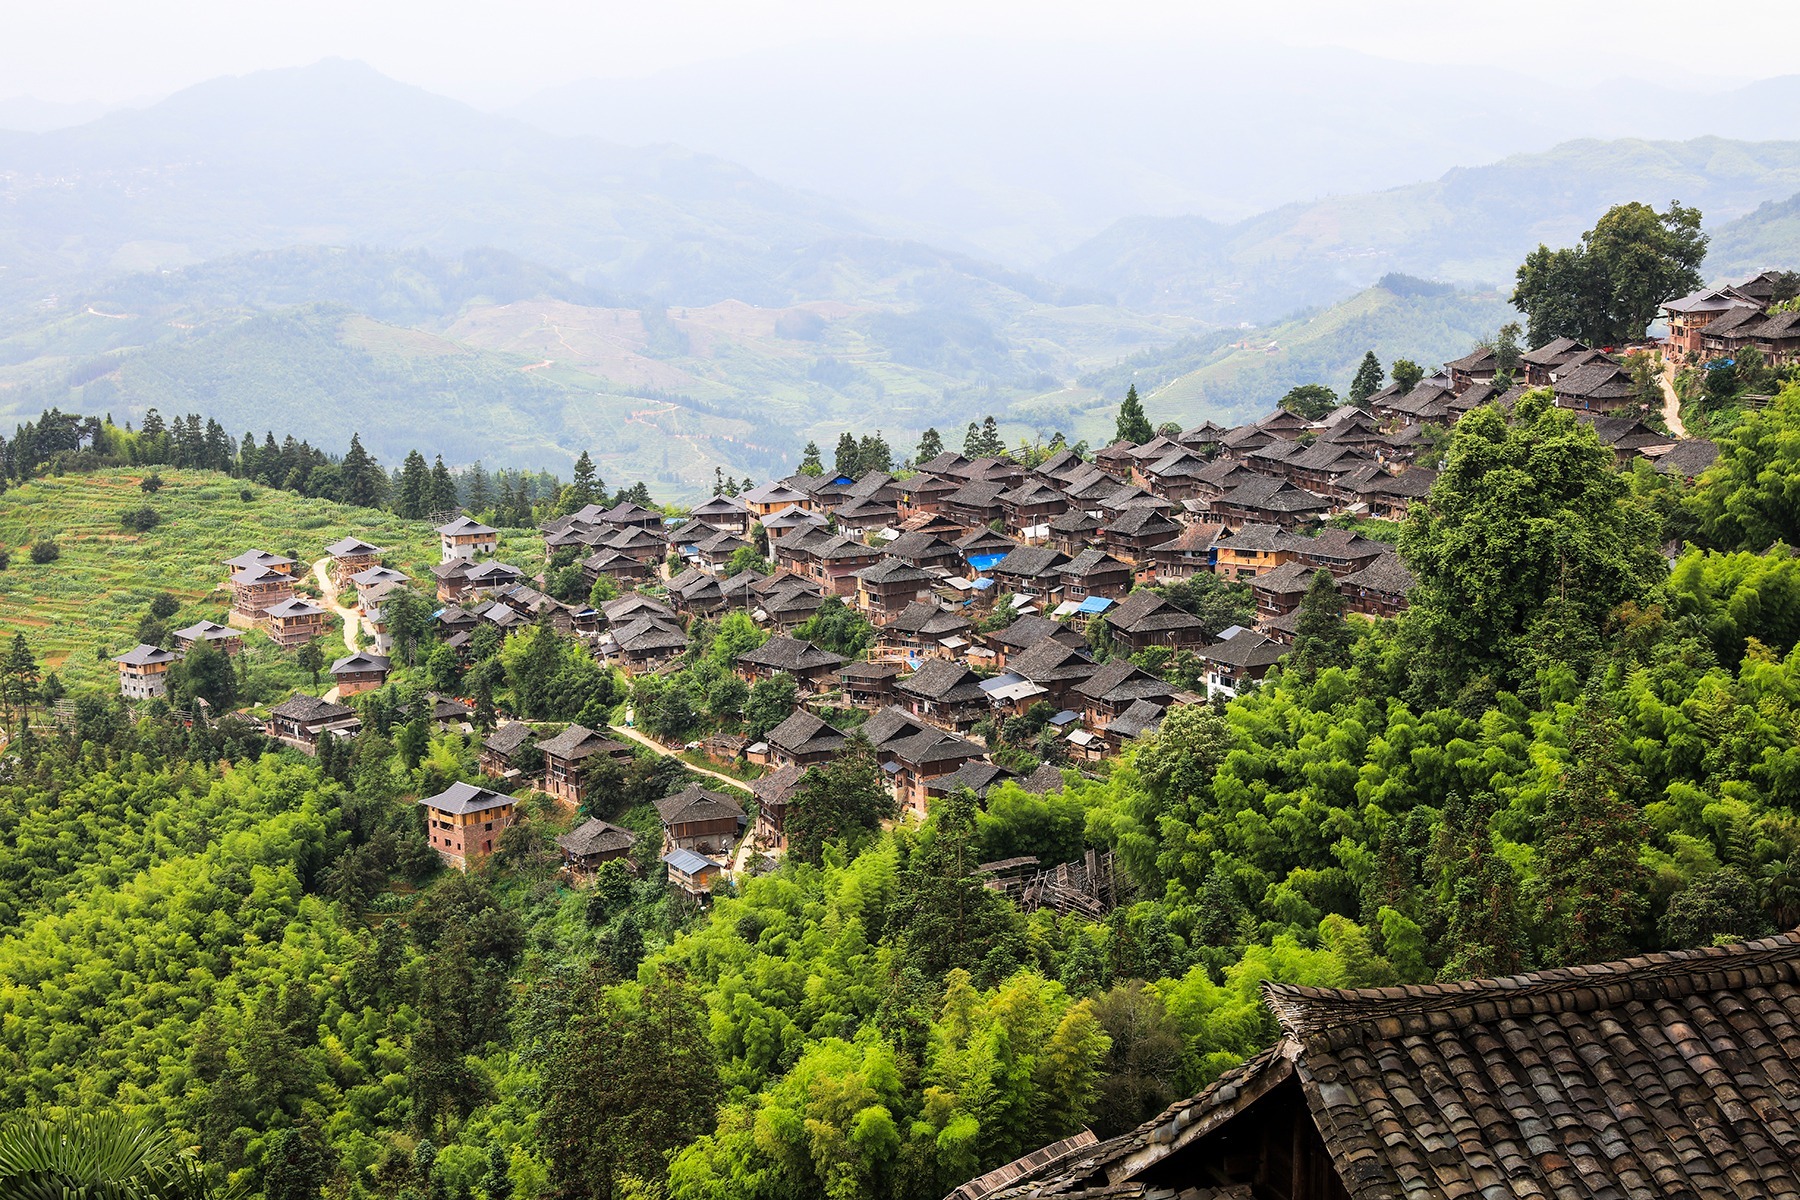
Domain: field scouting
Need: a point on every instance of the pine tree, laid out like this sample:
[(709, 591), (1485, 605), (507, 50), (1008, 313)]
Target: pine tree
[(480, 495), (931, 444), (873, 454), (1368, 379), (844, 462), (810, 462), (972, 441), (1322, 636), (19, 678), (991, 443), (585, 488), (363, 480), (443, 487), (414, 500), (1133, 426)]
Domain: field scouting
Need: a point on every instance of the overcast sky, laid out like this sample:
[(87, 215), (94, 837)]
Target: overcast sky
[(494, 52)]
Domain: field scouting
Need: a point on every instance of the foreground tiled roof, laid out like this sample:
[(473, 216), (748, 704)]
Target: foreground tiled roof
[(595, 836), (1674, 1074)]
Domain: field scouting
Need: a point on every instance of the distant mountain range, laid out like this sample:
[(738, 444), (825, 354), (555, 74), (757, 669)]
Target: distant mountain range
[(1020, 150), (322, 250), (1470, 225)]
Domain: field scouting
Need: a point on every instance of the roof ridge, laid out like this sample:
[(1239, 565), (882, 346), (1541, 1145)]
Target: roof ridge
[(1348, 1014)]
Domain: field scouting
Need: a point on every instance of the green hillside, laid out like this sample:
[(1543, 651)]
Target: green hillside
[(1232, 376), (1768, 237), (490, 357), (86, 605), (1472, 224)]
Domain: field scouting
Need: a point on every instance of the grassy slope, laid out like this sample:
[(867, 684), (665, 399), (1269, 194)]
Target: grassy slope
[(1238, 376), (87, 603)]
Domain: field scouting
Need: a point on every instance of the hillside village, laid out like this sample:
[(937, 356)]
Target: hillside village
[(975, 620)]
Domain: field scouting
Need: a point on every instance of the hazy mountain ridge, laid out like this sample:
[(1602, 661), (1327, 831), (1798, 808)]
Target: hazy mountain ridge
[(1470, 225)]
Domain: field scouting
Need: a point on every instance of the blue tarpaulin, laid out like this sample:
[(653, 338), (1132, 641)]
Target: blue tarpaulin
[(984, 562), (1095, 604)]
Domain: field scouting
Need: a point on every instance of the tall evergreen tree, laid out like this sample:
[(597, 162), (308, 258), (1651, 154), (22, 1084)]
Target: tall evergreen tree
[(972, 441), (443, 487), (845, 461), (1133, 425), (992, 444), (873, 454), (363, 480), (810, 462), (480, 493), (1478, 892), (585, 488), (1369, 376), (931, 444), (414, 499)]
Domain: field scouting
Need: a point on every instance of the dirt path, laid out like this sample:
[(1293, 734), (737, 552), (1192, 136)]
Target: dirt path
[(1671, 409), (352, 622), (740, 858), (665, 752)]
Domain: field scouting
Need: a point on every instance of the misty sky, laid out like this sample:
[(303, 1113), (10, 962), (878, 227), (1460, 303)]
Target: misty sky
[(495, 52)]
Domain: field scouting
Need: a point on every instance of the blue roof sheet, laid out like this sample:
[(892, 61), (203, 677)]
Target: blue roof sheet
[(1095, 604), (687, 862)]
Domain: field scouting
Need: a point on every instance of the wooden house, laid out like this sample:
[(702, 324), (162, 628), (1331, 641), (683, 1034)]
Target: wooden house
[(254, 590), (1238, 661), (803, 740), (1251, 550), (913, 754), (1093, 573), (944, 693), (359, 672), (466, 537), (926, 629), (349, 556), (261, 560), (1379, 589), (301, 720), (294, 622), (771, 498), (1074, 531), (814, 670), (222, 638), (1130, 536), (501, 746), (701, 820), (1144, 619), (144, 671), (591, 843), (773, 792), (566, 759), (1051, 665), (724, 512), (1189, 553), (869, 684), (888, 588), (1659, 1076), (1029, 570), (464, 823)]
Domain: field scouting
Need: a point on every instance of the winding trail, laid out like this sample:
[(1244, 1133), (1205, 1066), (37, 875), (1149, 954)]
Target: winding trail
[(352, 620), (1671, 409), (740, 857)]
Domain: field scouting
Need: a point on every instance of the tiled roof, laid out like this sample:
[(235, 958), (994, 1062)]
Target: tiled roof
[(463, 798), (144, 655), (1144, 612), (695, 803), (804, 733), (506, 739), (301, 707), (1386, 574), (790, 654), (595, 836), (943, 680), (578, 742)]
